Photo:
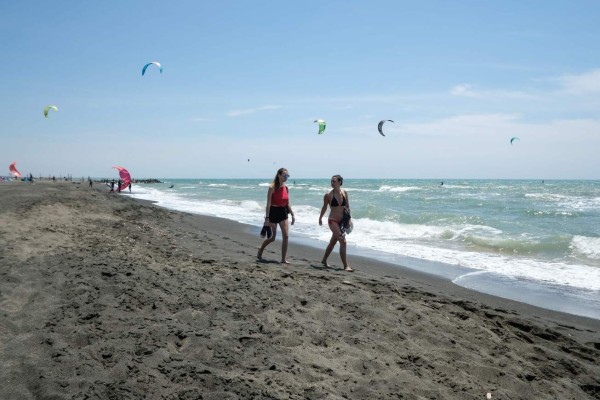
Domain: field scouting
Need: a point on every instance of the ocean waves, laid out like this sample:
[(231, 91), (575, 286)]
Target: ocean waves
[(548, 233)]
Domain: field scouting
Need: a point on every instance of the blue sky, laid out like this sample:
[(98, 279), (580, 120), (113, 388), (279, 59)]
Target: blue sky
[(245, 80)]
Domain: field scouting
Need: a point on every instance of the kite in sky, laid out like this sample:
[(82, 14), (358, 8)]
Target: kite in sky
[(512, 139), (322, 125), (48, 108), (151, 63), (380, 126), (13, 170), (124, 174)]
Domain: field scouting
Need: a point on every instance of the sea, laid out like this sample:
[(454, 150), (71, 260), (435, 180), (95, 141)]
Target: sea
[(532, 241)]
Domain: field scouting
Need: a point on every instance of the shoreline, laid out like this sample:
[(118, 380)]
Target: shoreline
[(553, 297), (443, 274), (109, 296)]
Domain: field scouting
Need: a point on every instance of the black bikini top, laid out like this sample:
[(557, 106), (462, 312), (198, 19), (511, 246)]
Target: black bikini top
[(334, 202)]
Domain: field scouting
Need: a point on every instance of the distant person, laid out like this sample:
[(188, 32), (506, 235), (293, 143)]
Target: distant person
[(119, 184), (130, 185), (112, 186), (336, 200), (91, 182), (53, 179), (30, 178), (277, 210)]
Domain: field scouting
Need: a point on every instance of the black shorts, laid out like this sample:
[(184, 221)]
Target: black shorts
[(277, 214)]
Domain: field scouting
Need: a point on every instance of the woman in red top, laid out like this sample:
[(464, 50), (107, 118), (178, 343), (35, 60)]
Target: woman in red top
[(278, 207)]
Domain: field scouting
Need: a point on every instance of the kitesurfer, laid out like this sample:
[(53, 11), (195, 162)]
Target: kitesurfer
[(277, 210), (380, 126), (48, 108), (13, 170), (152, 63), (337, 200), (322, 125)]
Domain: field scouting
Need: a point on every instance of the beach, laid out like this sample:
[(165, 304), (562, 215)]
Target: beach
[(107, 297)]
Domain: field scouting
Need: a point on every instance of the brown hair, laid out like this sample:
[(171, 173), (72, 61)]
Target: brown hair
[(339, 178), (276, 183)]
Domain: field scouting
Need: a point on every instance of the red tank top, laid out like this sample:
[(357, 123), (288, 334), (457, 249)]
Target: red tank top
[(280, 197)]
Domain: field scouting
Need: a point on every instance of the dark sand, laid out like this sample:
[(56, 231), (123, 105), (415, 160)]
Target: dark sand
[(104, 297)]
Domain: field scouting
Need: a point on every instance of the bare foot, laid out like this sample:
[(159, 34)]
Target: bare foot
[(259, 255), (348, 269), (324, 263), (285, 262)]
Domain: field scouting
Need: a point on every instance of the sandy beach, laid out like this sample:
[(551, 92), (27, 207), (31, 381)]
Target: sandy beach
[(106, 297)]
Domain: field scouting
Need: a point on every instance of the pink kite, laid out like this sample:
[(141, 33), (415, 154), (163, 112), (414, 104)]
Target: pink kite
[(124, 174), (13, 170)]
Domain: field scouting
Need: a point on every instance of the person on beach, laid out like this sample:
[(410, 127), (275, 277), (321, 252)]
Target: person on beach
[(278, 208), (336, 200), (112, 186)]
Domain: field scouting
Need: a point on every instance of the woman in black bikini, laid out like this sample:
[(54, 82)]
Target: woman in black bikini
[(337, 199)]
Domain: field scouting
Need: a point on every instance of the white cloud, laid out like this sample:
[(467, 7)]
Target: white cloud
[(237, 113), (588, 82), (468, 124), (367, 116), (463, 90), (467, 90)]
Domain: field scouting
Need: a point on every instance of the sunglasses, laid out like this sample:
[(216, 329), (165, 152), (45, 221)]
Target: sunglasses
[(286, 176), (333, 180)]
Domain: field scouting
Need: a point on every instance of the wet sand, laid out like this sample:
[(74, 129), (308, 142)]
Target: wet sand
[(106, 297)]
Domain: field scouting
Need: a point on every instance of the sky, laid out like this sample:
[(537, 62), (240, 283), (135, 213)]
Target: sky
[(243, 83)]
